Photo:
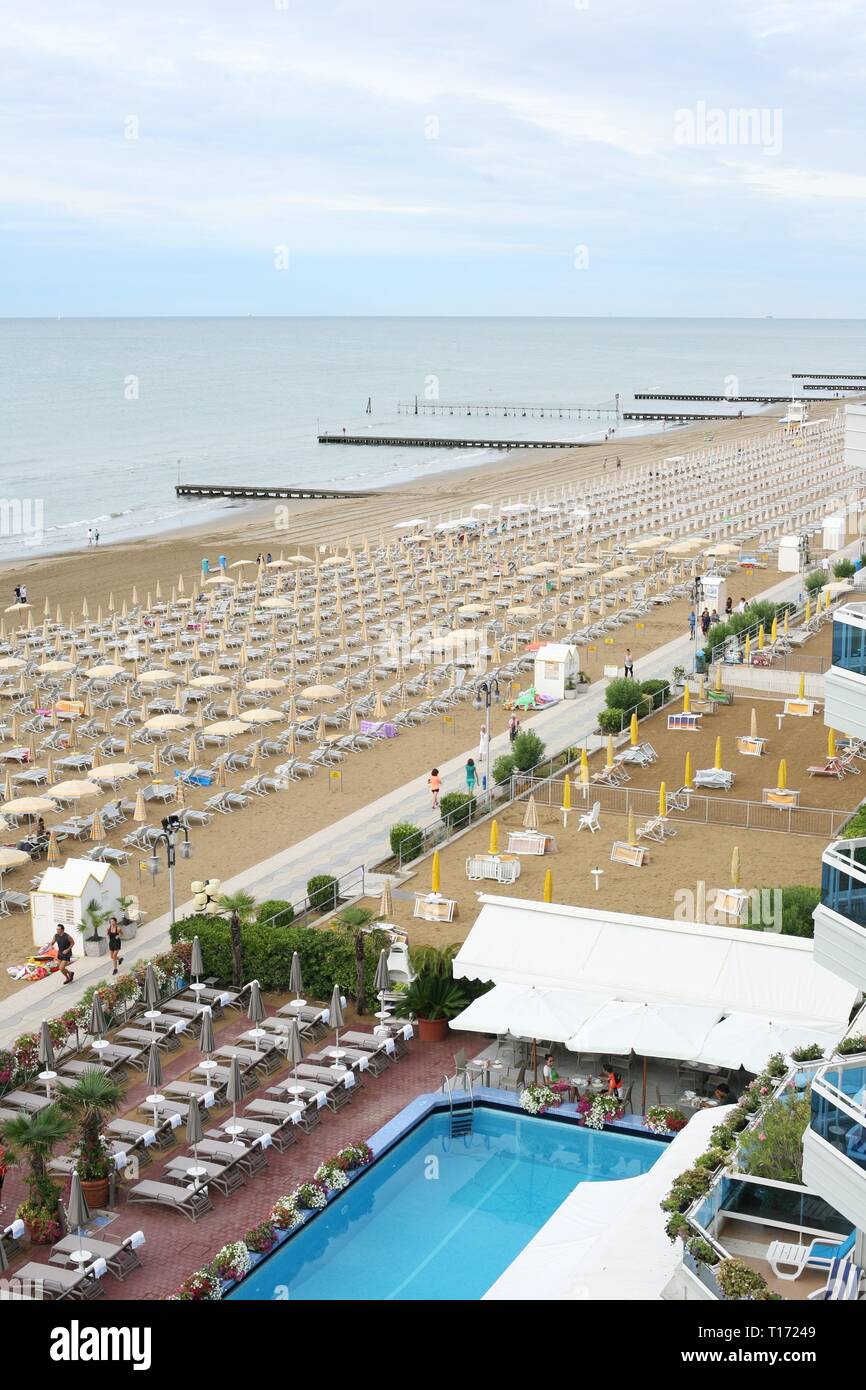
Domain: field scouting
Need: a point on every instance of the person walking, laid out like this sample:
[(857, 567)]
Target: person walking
[(513, 728), (434, 782), (628, 664), (63, 944), (693, 622), (90, 535), (471, 775), (115, 944), (483, 744), (705, 621)]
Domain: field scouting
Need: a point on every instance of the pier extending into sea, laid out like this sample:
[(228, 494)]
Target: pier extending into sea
[(249, 491)]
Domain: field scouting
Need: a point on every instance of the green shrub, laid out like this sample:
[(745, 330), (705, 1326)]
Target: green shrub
[(701, 1251), (503, 768), (711, 1159), (738, 1280), (622, 693), (323, 891), (457, 808), (774, 1148), (815, 580), (722, 1137), (405, 841), (812, 1052), (676, 1226), (856, 1043), (527, 750), (798, 903), (844, 569), (611, 721), (655, 691), (276, 912), (856, 826), (327, 957)]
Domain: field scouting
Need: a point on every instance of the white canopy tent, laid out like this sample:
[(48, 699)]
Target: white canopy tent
[(660, 988)]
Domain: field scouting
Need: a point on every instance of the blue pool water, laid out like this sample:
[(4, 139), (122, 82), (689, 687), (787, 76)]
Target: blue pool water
[(437, 1218)]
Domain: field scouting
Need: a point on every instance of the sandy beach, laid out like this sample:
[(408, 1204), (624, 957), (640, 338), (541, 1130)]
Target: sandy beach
[(232, 844)]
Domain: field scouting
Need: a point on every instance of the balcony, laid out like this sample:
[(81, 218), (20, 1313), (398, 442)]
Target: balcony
[(840, 917), (834, 1146), (845, 682)]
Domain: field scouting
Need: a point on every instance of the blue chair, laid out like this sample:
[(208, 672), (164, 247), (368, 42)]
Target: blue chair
[(855, 1146), (843, 1283), (819, 1255)]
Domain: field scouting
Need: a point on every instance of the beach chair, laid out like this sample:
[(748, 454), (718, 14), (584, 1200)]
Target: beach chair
[(621, 852), (225, 1178), (121, 1259), (843, 1283), (831, 767), (679, 800), (714, 777), (788, 1261), (590, 820), (78, 1284), (192, 1205)]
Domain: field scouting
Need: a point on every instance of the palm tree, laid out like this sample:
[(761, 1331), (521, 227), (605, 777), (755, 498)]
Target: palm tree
[(240, 907), (86, 1103), (434, 960), (35, 1137)]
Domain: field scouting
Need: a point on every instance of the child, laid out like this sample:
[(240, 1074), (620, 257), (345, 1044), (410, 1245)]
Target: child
[(434, 782)]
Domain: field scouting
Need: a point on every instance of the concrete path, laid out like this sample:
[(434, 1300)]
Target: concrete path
[(359, 838)]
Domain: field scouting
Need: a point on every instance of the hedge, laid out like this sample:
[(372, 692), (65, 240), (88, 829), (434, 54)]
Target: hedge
[(406, 840), (655, 692), (457, 808), (323, 891), (276, 912), (623, 694), (327, 957), (611, 721), (503, 768), (527, 750)]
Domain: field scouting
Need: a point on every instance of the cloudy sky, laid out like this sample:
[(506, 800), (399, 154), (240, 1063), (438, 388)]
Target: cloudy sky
[(452, 156)]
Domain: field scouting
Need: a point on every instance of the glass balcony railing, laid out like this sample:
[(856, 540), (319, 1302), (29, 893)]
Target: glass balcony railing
[(839, 1109), (843, 879), (849, 644)]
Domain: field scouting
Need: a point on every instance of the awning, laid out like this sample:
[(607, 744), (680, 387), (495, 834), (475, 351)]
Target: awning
[(526, 1012), (676, 1031)]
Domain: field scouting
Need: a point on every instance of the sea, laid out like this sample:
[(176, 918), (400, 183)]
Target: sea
[(100, 418)]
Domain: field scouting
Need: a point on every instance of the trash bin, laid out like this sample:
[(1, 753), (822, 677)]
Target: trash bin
[(223, 563), (700, 662), (205, 566)]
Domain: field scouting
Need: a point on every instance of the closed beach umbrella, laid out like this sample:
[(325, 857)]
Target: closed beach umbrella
[(386, 905), (663, 800), (783, 775), (296, 979), (735, 867), (151, 988), (530, 819), (584, 767), (53, 854), (97, 829), (336, 1012), (96, 1024), (701, 901), (383, 979), (630, 833), (235, 1088), (435, 876), (548, 886), (294, 1046), (154, 1067), (493, 843), (717, 760), (686, 700), (801, 691), (753, 724), (831, 743), (77, 1211), (140, 812), (194, 1127), (609, 755), (206, 1037), (46, 1048), (256, 1010), (687, 770), (197, 961)]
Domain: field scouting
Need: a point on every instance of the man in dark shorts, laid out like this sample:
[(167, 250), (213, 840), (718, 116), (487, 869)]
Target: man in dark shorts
[(64, 943)]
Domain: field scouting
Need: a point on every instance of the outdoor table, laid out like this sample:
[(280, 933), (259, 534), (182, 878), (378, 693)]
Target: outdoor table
[(485, 1065), (79, 1257)]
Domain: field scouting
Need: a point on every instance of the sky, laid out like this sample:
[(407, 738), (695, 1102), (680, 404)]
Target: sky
[(565, 157)]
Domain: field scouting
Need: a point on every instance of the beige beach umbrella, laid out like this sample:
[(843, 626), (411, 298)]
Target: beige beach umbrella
[(379, 711), (353, 721), (753, 723), (321, 732), (12, 858), (140, 812), (52, 854), (28, 806), (113, 772), (156, 762), (127, 743), (322, 692), (530, 819), (74, 790), (261, 716), (97, 829), (180, 792), (265, 685), (221, 774), (226, 728), (211, 682), (255, 759), (167, 723), (735, 867)]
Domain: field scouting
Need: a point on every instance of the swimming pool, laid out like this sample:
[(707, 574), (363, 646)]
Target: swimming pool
[(441, 1218)]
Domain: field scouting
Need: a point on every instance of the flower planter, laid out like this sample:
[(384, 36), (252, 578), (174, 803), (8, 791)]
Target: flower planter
[(95, 1192), (129, 930), (432, 1029), (95, 948)]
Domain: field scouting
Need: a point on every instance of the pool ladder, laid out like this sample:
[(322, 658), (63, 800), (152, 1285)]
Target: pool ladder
[(462, 1111)]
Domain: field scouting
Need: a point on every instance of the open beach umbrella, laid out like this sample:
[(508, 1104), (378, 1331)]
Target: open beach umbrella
[(196, 960), (296, 979), (12, 858), (77, 1212), (235, 1090), (336, 1013)]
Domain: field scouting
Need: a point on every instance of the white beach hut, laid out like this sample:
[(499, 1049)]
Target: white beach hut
[(64, 893), (555, 664)]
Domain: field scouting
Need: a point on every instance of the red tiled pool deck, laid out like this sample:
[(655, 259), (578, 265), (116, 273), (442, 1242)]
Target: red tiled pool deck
[(176, 1246)]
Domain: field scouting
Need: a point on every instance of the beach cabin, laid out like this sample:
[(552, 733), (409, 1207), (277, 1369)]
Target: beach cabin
[(63, 895), (714, 588), (555, 665), (790, 555), (855, 436), (834, 532)]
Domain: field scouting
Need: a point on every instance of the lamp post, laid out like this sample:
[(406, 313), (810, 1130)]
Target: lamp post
[(490, 691), (172, 828)]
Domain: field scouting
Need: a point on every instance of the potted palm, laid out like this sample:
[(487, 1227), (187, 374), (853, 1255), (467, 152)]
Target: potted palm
[(95, 919), (35, 1137), (433, 999), (87, 1103)]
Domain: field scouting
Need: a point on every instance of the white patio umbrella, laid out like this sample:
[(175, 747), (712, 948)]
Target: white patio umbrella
[(677, 1031), (747, 1040)]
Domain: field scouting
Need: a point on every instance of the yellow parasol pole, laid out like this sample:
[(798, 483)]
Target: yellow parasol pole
[(663, 800), (717, 761), (783, 775), (687, 770), (548, 886), (493, 845)]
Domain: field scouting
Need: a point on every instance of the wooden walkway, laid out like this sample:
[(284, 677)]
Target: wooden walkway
[(755, 400), (248, 491), (414, 441)]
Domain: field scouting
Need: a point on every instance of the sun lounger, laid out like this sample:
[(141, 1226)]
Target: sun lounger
[(120, 1259), (225, 1178), (843, 1283), (621, 852), (831, 767), (192, 1205), (23, 1100), (788, 1261), (715, 777), (61, 1283), (308, 1116), (282, 1134)]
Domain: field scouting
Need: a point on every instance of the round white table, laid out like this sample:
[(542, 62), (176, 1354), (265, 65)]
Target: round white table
[(80, 1257)]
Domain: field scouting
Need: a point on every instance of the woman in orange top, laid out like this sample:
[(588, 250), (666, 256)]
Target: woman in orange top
[(434, 782)]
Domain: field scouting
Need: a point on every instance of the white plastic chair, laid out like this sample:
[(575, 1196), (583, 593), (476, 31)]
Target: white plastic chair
[(590, 820)]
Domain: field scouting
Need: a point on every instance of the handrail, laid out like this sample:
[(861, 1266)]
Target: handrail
[(832, 1093)]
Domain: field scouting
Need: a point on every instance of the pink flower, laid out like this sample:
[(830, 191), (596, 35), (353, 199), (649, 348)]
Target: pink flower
[(762, 1138)]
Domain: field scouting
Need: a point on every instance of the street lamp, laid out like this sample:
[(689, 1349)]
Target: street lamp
[(172, 826), (490, 690)]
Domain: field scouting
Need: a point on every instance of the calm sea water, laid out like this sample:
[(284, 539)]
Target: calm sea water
[(100, 417)]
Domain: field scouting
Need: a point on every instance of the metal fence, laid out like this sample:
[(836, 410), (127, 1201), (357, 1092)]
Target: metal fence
[(704, 810), (348, 885)]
